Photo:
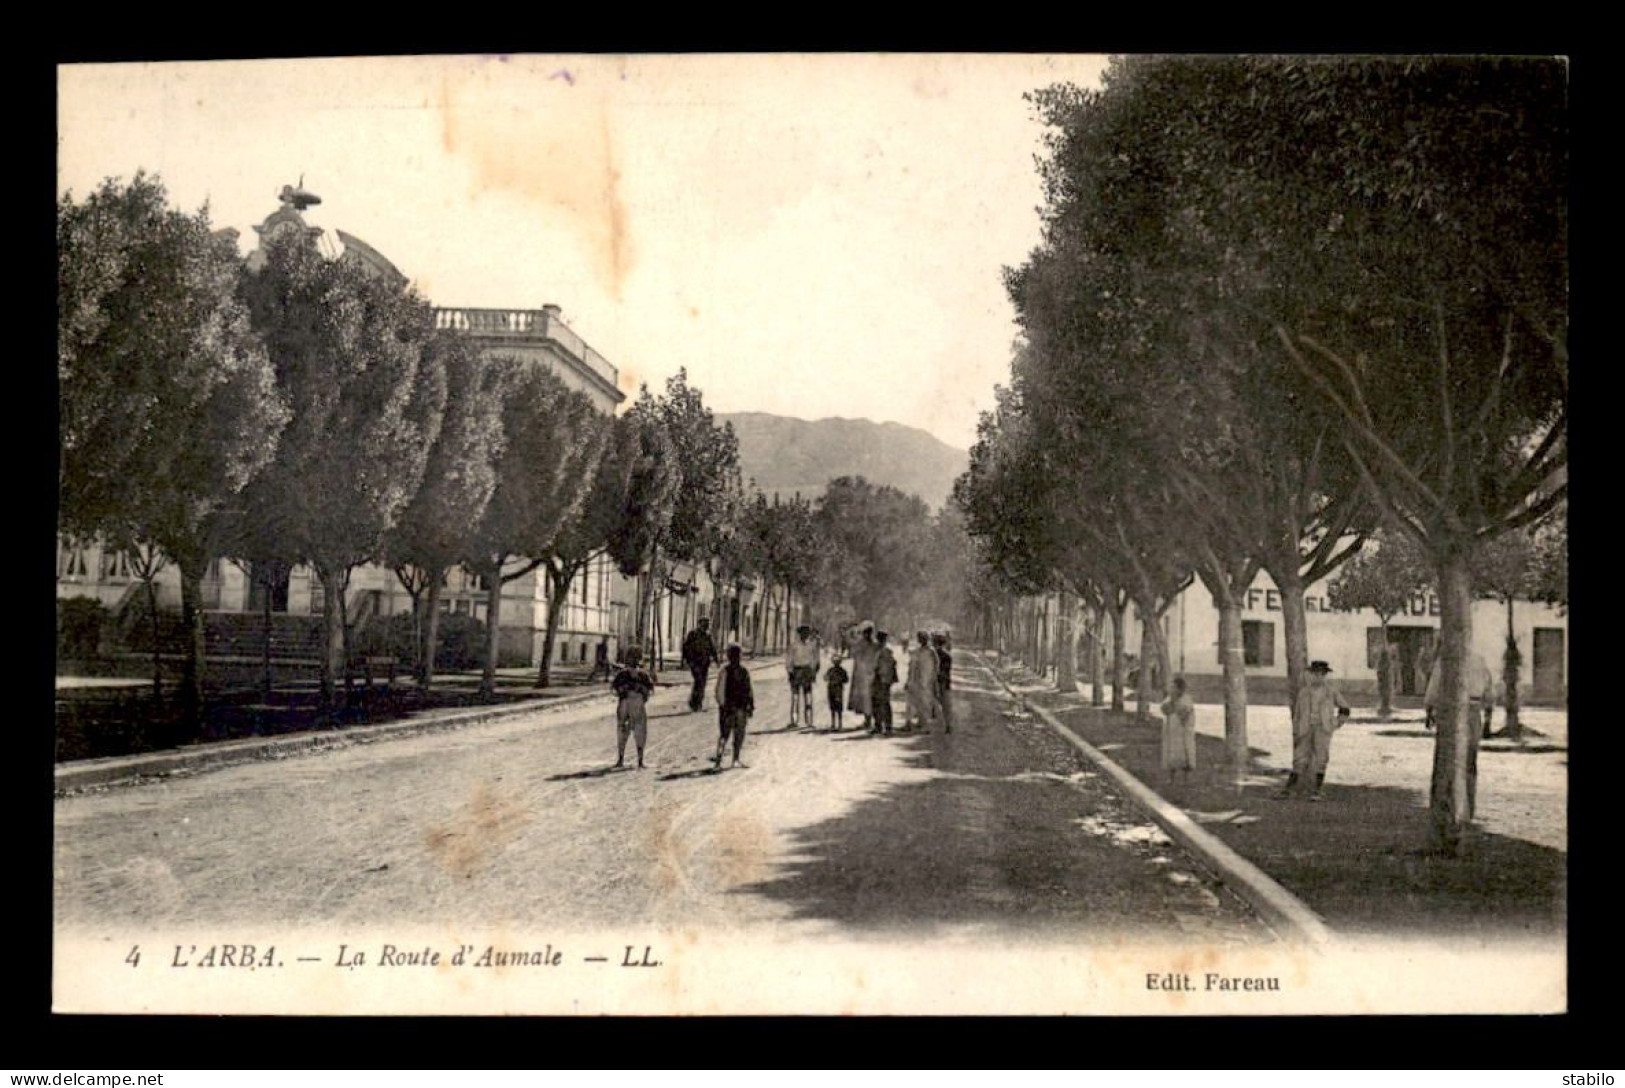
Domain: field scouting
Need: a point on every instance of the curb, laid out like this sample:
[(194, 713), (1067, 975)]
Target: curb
[(81, 774), (1282, 911)]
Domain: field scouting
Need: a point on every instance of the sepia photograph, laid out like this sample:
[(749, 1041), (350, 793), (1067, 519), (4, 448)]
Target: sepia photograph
[(812, 534)]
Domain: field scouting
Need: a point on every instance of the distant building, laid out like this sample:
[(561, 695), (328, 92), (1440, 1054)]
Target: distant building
[(1351, 641), (539, 335)]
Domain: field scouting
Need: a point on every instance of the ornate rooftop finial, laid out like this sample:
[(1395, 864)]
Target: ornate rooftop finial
[(298, 196)]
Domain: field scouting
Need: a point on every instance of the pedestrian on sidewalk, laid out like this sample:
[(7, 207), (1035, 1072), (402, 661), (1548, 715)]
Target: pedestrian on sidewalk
[(802, 664), (945, 669), (699, 654), (1318, 713), (885, 675), (861, 699), (835, 680), (633, 685), (922, 683), (1178, 733), (735, 705), (600, 661)]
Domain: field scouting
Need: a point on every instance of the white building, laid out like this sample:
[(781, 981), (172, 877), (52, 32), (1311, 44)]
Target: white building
[(540, 335), (1349, 641)]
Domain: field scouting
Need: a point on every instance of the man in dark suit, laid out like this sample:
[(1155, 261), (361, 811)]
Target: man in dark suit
[(699, 652)]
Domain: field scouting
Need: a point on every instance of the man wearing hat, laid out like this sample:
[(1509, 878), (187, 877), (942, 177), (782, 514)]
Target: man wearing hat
[(1319, 711), (802, 662)]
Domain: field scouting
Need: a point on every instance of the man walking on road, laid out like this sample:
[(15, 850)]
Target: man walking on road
[(735, 705), (698, 654), (1320, 710)]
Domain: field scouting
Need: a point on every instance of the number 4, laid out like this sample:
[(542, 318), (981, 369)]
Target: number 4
[(134, 958)]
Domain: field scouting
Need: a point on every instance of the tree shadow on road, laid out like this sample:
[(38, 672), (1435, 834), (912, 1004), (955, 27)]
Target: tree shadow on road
[(989, 844), (1357, 857)]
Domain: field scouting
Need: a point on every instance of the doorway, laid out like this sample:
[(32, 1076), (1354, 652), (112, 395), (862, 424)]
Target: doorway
[(1414, 644)]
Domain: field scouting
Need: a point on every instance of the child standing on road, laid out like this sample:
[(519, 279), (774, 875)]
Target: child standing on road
[(835, 679), (1178, 733), (633, 685), (735, 705)]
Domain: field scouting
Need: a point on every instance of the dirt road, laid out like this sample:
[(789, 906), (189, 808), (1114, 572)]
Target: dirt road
[(996, 828)]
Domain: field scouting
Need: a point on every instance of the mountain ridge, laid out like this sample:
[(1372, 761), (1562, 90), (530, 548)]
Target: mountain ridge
[(786, 454)]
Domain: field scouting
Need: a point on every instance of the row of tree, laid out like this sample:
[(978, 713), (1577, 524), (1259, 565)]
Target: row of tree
[(309, 412), (1280, 302)]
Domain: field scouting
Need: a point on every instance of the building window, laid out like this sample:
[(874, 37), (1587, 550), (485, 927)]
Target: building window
[(1257, 642)]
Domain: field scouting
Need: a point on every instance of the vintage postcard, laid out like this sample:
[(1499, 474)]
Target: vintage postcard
[(812, 534)]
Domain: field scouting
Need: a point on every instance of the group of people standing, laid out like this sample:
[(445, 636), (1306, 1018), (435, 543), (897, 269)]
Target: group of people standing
[(874, 674)]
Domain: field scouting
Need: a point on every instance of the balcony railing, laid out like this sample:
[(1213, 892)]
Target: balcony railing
[(525, 324)]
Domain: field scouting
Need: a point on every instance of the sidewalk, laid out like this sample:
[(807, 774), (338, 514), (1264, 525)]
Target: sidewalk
[(1357, 858), (86, 773)]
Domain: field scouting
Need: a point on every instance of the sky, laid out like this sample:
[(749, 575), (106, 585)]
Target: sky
[(808, 235)]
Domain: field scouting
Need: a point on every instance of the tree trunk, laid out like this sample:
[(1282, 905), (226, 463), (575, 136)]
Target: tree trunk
[(1385, 673), (332, 640), (1097, 697), (417, 627), (1233, 658), (1142, 689), (1294, 628), (1066, 672), (157, 645), (558, 591), (646, 600), (265, 644), (192, 571), (493, 632), (1119, 611), (431, 632), (344, 628), (1455, 752), (1511, 666)]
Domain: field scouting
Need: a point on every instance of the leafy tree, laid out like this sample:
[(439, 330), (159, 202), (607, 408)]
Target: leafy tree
[(436, 528), (550, 449), (1313, 236), (1522, 564), (1383, 577), (881, 534), (709, 494), (348, 352), (1450, 259), (589, 533), (167, 402)]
